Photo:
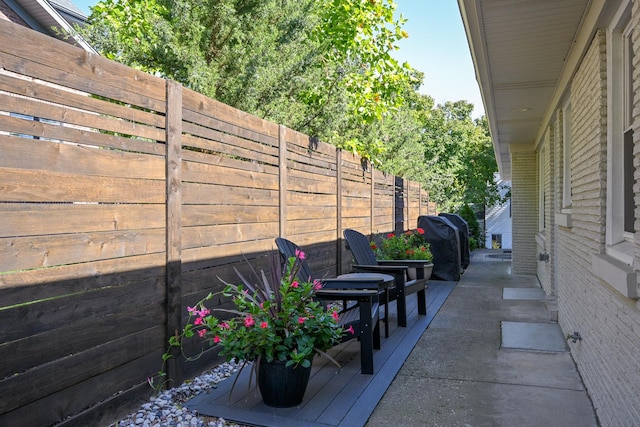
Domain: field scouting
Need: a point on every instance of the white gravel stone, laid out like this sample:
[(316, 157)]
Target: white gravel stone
[(166, 409)]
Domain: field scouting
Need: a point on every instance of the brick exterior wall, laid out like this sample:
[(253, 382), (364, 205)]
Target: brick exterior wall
[(608, 355), (524, 207)]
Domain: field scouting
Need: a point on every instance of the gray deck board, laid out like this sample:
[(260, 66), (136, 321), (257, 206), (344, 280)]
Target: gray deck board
[(335, 396)]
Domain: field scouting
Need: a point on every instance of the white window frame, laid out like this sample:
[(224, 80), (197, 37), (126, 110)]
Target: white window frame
[(566, 157), (541, 190), (619, 244)]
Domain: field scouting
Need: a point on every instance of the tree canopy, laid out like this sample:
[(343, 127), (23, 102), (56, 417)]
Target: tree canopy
[(322, 67)]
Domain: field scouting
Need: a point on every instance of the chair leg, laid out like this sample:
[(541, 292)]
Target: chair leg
[(422, 302), (376, 336), (401, 302), (366, 338)]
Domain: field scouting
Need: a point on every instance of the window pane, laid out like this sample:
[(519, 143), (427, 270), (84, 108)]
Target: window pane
[(629, 202)]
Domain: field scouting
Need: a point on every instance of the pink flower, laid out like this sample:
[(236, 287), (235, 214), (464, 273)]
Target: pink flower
[(350, 330), (264, 325), (204, 312), (420, 230), (224, 325), (300, 254), (248, 321), (335, 315), (198, 321), (202, 332), (317, 285), (191, 309), (301, 320), (390, 236), (216, 339), (294, 284)]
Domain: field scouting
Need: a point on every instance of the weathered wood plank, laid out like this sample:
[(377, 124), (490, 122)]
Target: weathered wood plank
[(328, 213), (25, 253), (76, 159), (227, 233), (205, 256), (197, 103), (38, 55), (26, 353), (29, 219), (78, 100), (312, 185), (67, 371), (211, 174), (203, 215), (63, 114), (311, 200), (34, 285), (35, 186), (83, 137), (306, 143), (55, 313), (311, 225), (194, 193), (216, 143), (54, 408)]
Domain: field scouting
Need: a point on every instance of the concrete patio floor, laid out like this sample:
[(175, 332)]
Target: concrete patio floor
[(490, 357)]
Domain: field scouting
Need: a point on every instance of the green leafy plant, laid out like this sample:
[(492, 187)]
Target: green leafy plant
[(409, 245), (279, 318)]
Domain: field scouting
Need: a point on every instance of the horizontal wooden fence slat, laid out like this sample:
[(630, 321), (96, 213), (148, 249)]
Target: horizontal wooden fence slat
[(63, 114), (125, 198), (27, 219), (198, 103), (196, 193), (210, 174), (39, 56), (25, 353), (203, 215), (33, 285), (28, 88), (22, 253), (22, 185), (77, 159), (33, 385)]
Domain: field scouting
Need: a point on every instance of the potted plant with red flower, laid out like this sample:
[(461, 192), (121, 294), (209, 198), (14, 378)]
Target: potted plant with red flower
[(277, 323), (408, 245)]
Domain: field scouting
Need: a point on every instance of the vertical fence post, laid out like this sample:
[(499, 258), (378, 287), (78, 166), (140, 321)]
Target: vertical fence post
[(373, 204), (338, 211), (282, 165), (398, 220), (173, 162)]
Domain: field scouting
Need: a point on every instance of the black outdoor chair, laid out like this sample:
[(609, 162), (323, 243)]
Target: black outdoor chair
[(363, 316), (366, 260)]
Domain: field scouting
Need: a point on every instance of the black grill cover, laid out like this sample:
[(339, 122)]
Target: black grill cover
[(443, 240), (463, 233)]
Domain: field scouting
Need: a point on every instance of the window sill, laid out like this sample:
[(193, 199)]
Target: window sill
[(564, 220), (617, 274)]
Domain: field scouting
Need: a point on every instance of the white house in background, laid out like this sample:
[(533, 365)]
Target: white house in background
[(45, 16), (498, 220), (560, 84)]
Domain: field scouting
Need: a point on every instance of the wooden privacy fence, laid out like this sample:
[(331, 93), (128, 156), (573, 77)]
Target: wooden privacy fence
[(122, 197)]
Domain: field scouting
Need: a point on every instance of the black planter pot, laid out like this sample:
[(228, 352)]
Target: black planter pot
[(282, 386)]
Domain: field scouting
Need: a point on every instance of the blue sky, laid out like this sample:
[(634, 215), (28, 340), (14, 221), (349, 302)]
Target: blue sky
[(437, 46)]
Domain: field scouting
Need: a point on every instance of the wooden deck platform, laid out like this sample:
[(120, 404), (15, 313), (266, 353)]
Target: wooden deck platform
[(335, 396)]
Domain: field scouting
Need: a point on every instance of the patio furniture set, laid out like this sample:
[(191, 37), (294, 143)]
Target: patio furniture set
[(372, 283)]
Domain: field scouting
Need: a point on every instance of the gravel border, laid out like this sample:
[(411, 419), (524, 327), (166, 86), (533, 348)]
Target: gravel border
[(166, 408)]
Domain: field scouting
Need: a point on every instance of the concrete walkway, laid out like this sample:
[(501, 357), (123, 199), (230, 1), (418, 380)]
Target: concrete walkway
[(491, 357)]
